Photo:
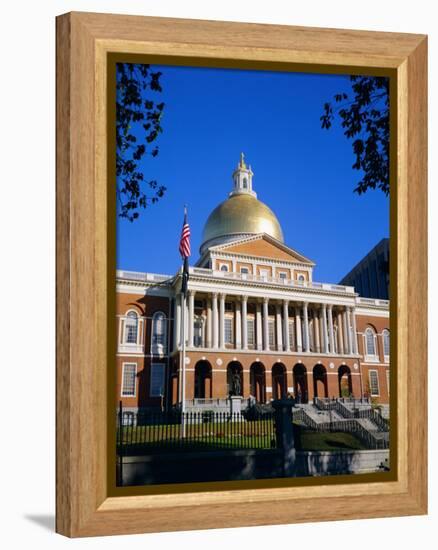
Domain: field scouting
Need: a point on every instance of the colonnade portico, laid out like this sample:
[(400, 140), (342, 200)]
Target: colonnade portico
[(279, 325)]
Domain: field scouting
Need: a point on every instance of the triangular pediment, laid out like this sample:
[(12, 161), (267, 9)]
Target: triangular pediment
[(263, 246)]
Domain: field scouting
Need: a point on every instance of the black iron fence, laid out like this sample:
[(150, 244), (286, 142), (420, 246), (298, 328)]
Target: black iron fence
[(193, 431)]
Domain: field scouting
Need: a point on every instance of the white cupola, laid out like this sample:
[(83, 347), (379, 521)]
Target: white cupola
[(242, 178)]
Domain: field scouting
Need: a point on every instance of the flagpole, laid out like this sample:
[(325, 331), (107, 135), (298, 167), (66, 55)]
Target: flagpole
[(183, 368), (184, 249)]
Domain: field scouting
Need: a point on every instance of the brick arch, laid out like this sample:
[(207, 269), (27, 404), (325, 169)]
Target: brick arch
[(203, 387), (279, 381), (320, 385), (257, 381), (301, 391), (345, 381)]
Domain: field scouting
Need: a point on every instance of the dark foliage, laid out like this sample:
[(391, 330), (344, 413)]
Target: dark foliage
[(365, 119), (258, 411), (138, 125)]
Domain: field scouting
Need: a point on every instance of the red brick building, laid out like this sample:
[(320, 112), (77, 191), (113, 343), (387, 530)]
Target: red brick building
[(253, 314)]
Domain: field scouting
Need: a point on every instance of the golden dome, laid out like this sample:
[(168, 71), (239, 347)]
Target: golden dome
[(240, 215)]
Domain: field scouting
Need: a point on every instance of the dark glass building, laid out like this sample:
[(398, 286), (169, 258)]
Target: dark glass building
[(370, 276)]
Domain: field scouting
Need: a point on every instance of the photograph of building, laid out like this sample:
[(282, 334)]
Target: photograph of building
[(239, 356)]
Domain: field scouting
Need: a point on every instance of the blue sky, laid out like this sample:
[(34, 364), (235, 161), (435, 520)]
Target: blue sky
[(303, 173)]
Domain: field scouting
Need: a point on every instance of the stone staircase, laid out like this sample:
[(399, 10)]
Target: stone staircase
[(327, 415)]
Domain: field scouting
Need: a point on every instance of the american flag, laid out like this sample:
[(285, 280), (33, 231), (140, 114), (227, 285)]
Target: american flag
[(184, 243), (184, 250)]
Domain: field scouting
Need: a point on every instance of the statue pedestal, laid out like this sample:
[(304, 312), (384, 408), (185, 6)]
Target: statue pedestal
[(235, 404)]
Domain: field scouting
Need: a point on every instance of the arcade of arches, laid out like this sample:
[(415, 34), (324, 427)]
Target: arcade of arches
[(265, 381)]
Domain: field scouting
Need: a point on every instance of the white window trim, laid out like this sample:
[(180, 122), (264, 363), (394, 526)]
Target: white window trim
[(163, 369), (385, 357), (370, 358), (125, 318), (159, 349), (230, 318), (272, 332), (122, 394), (203, 320), (378, 383), (251, 320)]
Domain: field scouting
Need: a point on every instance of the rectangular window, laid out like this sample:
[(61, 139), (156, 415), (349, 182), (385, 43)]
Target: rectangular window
[(157, 379), (374, 382), (385, 336), (271, 330), (244, 270), (129, 374), (198, 330), (282, 275), (228, 330), (264, 274), (251, 332)]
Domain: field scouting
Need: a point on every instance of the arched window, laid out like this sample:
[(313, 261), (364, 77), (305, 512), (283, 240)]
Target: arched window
[(159, 333), (385, 335), (131, 328), (245, 183), (224, 267), (370, 343)]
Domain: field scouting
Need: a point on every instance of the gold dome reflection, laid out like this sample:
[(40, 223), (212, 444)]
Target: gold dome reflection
[(241, 214)]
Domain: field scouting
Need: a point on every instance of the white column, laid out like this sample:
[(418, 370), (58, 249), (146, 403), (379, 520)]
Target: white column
[(350, 340), (278, 327), (191, 317), (177, 322), (345, 331), (306, 328), (298, 333), (222, 321), (340, 336), (259, 326), (265, 324), (353, 316), (331, 331), (238, 325), (316, 331), (245, 322), (215, 322), (209, 331), (286, 345), (324, 326)]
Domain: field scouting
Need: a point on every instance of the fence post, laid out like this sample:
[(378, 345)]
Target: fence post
[(284, 432)]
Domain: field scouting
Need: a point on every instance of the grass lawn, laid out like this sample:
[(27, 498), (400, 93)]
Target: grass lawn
[(200, 436), (228, 435)]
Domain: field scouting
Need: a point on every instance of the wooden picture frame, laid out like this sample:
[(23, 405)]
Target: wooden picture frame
[(85, 279)]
